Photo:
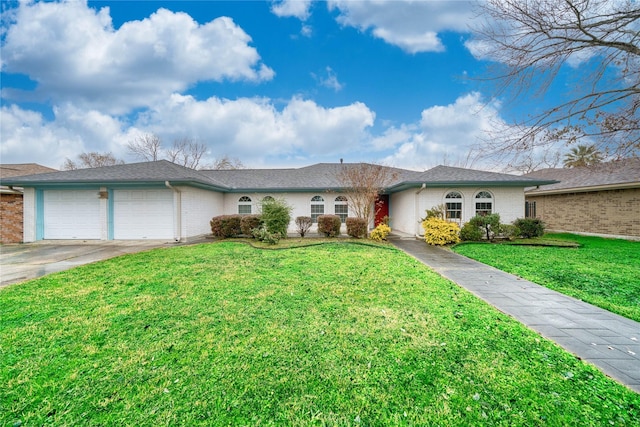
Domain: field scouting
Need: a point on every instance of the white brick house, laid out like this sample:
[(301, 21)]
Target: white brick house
[(162, 200)]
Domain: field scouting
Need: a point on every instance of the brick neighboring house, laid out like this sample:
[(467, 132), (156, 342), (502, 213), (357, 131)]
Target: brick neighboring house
[(11, 201), (599, 200)]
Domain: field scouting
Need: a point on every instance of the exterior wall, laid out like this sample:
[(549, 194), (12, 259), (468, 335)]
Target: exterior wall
[(11, 218), (29, 215), (507, 201), (198, 207), (608, 213), (403, 212), (301, 203)]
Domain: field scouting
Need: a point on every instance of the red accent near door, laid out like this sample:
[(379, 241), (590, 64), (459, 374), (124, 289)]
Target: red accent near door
[(381, 208)]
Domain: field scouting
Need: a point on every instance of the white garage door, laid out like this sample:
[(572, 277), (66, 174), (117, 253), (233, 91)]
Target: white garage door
[(143, 214), (71, 214)]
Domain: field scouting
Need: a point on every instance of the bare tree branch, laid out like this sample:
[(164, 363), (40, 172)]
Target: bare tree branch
[(531, 41), (91, 160), (362, 183), (146, 147)]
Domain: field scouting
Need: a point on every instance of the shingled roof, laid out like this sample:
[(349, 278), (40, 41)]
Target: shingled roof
[(21, 169), (320, 176), (604, 176), (145, 172)]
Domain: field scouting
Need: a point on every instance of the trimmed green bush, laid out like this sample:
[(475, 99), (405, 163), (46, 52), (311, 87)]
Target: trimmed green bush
[(470, 233), (263, 235), (529, 227), (249, 222), (225, 226), (489, 224), (303, 224), (329, 225), (508, 231), (356, 227), (276, 216), (440, 232), (380, 233)]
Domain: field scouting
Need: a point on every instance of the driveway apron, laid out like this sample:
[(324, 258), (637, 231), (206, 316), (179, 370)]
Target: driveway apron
[(22, 262), (604, 339)]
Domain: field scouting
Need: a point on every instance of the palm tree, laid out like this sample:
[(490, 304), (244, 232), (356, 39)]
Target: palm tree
[(582, 155)]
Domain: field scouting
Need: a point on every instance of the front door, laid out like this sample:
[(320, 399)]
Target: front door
[(382, 209)]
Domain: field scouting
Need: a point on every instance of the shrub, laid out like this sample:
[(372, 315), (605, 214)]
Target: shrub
[(435, 212), (529, 227), (303, 224), (439, 232), (329, 225), (263, 235), (508, 231), (248, 223), (225, 226), (276, 216), (470, 232), (380, 232), (490, 224), (356, 227)]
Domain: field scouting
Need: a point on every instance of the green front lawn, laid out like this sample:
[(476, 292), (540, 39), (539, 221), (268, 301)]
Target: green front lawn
[(603, 272), (336, 334)]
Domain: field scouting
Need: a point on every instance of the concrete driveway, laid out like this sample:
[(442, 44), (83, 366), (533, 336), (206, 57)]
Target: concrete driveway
[(26, 261)]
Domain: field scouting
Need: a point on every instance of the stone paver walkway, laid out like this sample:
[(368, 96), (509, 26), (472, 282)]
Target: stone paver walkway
[(606, 340)]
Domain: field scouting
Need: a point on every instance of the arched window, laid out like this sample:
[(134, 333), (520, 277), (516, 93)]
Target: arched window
[(268, 199), (453, 204), (341, 209), (244, 205), (484, 203), (317, 207)]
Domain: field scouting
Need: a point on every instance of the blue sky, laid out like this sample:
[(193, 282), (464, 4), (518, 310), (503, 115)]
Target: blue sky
[(273, 84)]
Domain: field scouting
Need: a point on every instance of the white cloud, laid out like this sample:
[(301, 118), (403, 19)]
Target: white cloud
[(28, 137), (446, 134), (75, 55), (292, 8), (251, 129), (411, 25), (330, 81)]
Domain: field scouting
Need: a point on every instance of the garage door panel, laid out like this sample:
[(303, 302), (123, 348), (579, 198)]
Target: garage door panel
[(143, 214), (71, 214)]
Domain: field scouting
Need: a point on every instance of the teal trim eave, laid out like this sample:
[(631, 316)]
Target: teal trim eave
[(110, 214), (39, 214)]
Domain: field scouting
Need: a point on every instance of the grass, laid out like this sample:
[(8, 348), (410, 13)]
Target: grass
[(335, 334), (603, 272)]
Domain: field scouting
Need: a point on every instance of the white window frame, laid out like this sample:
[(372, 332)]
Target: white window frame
[(483, 205), (317, 208), (341, 208), (450, 199), (244, 205)]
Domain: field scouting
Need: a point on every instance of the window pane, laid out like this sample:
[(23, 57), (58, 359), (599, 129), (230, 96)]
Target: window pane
[(315, 211), (483, 208), (244, 209), (454, 210), (342, 212)]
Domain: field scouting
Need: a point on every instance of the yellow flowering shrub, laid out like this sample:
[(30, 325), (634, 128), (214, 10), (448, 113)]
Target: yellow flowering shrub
[(380, 232), (440, 232)]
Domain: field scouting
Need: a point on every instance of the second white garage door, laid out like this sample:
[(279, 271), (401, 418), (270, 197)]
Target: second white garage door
[(142, 214)]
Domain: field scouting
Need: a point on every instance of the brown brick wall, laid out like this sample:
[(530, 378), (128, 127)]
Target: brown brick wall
[(612, 212), (11, 218)]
